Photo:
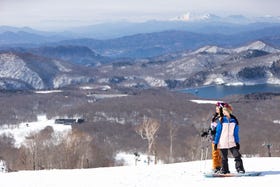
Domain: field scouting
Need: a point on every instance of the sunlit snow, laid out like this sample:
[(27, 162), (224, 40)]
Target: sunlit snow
[(22, 130), (162, 175)]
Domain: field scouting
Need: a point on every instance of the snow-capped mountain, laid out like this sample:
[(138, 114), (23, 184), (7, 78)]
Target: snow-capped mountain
[(213, 49), (14, 68), (257, 45), (251, 64), (192, 17), (27, 71), (233, 19), (254, 63)]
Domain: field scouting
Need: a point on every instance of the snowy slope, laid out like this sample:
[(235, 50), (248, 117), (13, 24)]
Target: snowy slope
[(257, 45), (213, 49), (164, 175), (21, 131)]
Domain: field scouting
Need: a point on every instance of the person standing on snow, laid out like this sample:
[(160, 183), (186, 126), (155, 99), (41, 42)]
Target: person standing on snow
[(227, 139), (216, 156), (211, 132)]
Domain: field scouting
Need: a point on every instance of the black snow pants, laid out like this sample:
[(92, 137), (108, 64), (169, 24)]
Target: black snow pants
[(237, 158)]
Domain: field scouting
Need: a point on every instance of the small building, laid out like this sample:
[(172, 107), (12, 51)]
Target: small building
[(69, 121)]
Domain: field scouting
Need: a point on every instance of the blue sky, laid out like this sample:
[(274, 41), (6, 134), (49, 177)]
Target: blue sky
[(59, 13)]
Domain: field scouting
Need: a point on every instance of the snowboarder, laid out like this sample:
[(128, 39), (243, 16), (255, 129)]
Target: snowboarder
[(227, 138)]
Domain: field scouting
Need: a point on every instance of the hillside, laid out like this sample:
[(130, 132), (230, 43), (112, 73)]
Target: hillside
[(111, 120), (26, 71)]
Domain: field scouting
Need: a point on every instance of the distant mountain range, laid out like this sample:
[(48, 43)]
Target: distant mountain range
[(146, 45), (160, 43), (49, 68), (254, 63), (198, 23), (182, 53)]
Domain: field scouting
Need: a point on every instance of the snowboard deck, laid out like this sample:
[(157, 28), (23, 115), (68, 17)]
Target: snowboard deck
[(246, 174)]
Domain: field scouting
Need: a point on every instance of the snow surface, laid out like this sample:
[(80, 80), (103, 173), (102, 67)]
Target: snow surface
[(162, 175), (204, 101), (21, 131), (257, 45), (48, 91)]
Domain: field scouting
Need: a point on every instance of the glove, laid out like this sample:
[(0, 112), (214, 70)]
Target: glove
[(215, 147), (237, 146), (204, 133)]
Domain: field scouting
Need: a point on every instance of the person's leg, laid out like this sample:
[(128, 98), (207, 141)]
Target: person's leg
[(238, 161), (225, 168), (216, 159)]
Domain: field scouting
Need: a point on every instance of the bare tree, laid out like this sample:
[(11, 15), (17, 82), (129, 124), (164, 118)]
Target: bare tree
[(147, 130), (78, 145), (172, 133), (32, 143)]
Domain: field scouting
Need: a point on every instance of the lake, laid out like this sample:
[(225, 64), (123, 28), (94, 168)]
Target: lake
[(220, 91)]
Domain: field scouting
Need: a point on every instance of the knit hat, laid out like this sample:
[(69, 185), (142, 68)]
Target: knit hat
[(227, 107), (220, 104)]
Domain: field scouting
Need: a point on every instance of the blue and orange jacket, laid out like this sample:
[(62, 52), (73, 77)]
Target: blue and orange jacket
[(227, 133)]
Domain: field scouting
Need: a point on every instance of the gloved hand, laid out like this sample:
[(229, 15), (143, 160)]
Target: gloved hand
[(204, 133), (215, 147), (237, 146)]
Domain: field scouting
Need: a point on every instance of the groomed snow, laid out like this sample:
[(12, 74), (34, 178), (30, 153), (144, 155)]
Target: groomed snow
[(163, 175)]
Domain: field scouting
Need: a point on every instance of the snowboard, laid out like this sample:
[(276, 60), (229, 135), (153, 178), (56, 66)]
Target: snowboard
[(246, 174)]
